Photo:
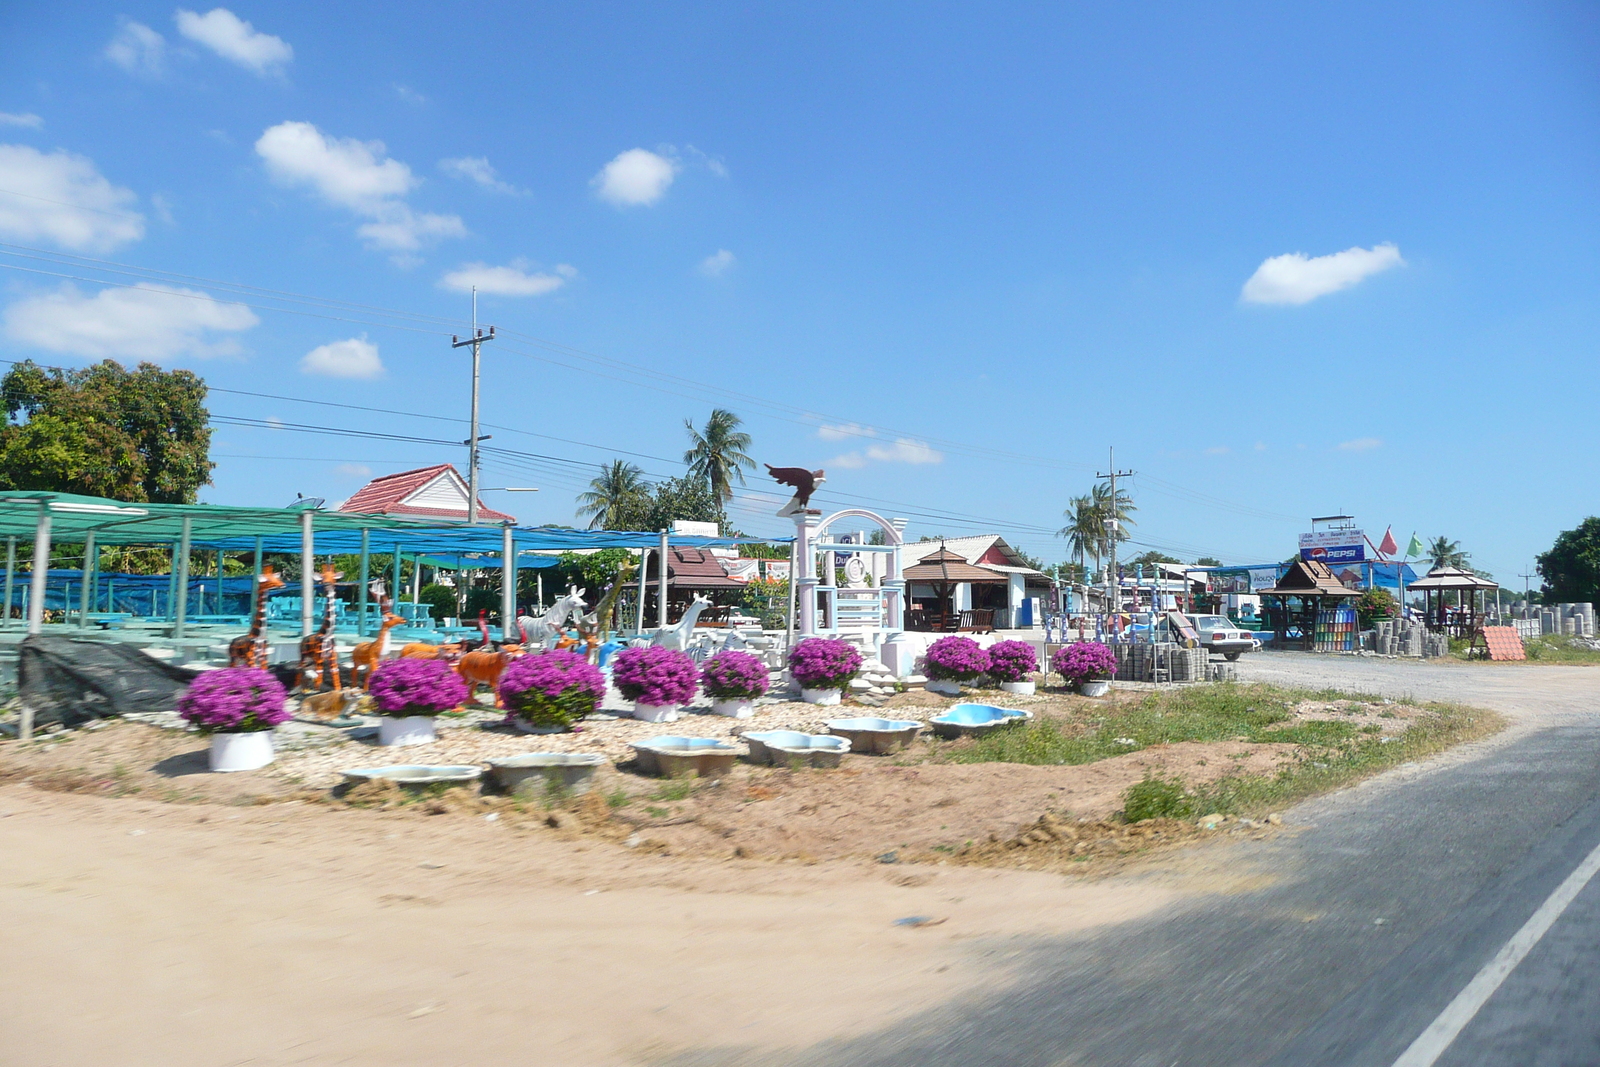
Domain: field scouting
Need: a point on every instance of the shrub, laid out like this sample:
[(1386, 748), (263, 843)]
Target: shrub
[(824, 663), (1156, 798), (654, 676), (234, 700), (1012, 661), (1085, 661), (956, 659), (733, 675), (402, 687), (440, 598), (1374, 604), (551, 688)]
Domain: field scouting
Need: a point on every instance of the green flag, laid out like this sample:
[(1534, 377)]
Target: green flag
[(1414, 548)]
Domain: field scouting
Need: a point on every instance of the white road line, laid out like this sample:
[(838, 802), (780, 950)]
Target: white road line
[(1432, 1042)]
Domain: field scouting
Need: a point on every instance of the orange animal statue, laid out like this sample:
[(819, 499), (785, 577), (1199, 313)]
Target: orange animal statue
[(422, 650), (250, 650), (366, 656), (482, 666), (319, 657)]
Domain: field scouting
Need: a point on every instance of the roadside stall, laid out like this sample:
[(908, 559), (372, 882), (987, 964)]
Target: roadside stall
[(1312, 610)]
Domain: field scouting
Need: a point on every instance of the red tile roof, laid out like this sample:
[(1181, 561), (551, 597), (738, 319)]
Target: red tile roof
[(386, 496), (692, 568)]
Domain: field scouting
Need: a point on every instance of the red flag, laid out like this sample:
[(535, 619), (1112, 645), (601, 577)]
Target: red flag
[(1389, 546)]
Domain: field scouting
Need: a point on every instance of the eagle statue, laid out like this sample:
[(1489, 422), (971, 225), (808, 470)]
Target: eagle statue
[(804, 483)]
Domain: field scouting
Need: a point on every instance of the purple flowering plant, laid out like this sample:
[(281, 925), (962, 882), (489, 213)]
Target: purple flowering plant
[(551, 688), (1085, 661), (234, 700), (824, 663), (1012, 661), (655, 676), (956, 659), (733, 675), (405, 687)]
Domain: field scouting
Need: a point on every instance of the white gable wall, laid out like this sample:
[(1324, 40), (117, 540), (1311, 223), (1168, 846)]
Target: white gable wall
[(444, 491)]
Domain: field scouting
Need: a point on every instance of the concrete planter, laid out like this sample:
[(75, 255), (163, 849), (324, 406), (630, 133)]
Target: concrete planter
[(247, 751), (946, 687), (1097, 688), (734, 709), (876, 737), (647, 752), (825, 697), (1019, 689), (410, 730), (657, 712), (536, 772), (414, 774), (782, 747), (702, 761), (975, 720), (527, 727)]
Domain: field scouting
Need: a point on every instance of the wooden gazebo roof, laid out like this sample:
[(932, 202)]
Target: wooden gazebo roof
[(1308, 578), (945, 567), (1451, 578)]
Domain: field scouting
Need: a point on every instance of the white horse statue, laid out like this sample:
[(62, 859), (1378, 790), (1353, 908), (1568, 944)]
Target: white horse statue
[(677, 637), (547, 628)]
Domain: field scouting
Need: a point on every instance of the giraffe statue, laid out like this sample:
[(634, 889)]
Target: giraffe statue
[(319, 657), (366, 656), (250, 650)]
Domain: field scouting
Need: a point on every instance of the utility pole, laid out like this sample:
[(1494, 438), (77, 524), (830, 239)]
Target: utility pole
[(1527, 589), (476, 341), (1110, 520)]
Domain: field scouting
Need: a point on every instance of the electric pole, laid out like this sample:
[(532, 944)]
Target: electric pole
[(476, 341), (1110, 520), (1527, 589)]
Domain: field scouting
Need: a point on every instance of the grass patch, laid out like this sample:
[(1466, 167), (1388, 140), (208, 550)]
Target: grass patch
[(675, 789), (1157, 798), (1554, 648)]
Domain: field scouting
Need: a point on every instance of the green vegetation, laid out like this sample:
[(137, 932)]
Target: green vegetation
[(676, 789), (1157, 798), (1571, 569), (1554, 648)]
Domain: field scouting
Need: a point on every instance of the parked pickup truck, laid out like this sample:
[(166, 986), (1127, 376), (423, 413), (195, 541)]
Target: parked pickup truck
[(1221, 636)]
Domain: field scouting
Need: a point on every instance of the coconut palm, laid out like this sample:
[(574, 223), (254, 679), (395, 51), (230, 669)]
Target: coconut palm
[(1105, 508), (619, 485), (1443, 552), (717, 452), (1083, 530)]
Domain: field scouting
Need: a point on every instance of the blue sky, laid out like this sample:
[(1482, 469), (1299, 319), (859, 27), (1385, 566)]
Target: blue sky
[(1287, 262)]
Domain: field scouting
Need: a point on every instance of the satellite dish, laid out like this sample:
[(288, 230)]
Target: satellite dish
[(305, 503)]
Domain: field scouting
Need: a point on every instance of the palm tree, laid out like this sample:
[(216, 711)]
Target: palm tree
[(1122, 511), (1083, 530), (717, 452), (618, 485), (1443, 552)]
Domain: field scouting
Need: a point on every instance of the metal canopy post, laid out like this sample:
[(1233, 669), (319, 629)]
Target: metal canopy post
[(508, 583), (41, 570), (85, 594), (661, 585), (11, 573), (182, 576), (644, 567), (361, 594), (308, 579), (399, 591)]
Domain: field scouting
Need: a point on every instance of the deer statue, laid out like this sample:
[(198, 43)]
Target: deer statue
[(545, 630), (319, 657), (595, 625), (366, 656), (677, 637), (250, 650)]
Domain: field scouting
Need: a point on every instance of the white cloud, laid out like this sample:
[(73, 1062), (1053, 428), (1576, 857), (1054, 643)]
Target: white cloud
[(636, 177), (138, 49), (62, 199), (235, 40), (408, 94), (476, 169), (1360, 444), (28, 119), (1298, 279), (844, 430), (353, 358), (718, 263), (274, 423), (152, 322), (902, 450), (513, 280), (354, 470), (1218, 450), (357, 175)]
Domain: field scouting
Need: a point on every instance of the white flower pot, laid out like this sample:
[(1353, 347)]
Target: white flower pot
[(734, 709), (241, 751), (411, 730), (656, 712), (529, 728), (825, 697), (1097, 688), (943, 686), (1021, 689)]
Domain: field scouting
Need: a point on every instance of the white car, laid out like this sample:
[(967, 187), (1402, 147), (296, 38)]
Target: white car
[(1220, 635)]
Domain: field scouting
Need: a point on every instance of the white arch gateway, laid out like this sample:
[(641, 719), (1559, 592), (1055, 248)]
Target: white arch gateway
[(875, 613)]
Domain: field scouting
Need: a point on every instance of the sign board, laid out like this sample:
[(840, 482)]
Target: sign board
[(777, 569), (690, 528), (742, 570), (1264, 578), (1334, 546)]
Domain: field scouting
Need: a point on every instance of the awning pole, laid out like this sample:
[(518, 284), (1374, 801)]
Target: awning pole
[(41, 569), (366, 576), (86, 592), (399, 591), (11, 573), (308, 578), (183, 575), (508, 583), (661, 585), (644, 566)]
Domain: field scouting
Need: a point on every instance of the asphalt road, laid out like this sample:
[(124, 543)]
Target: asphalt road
[(1372, 920)]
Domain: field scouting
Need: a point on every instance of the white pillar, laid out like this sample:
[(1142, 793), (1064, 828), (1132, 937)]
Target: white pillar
[(182, 575), (661, 585), (803, 577), (84, 599), (508, 583), (308, 578), (11, 574), (644, 567), (41, 569)]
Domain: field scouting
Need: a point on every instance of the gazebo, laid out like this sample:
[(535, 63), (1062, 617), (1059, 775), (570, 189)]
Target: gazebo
[(943, 571), (1310, 609), (1462, 618)]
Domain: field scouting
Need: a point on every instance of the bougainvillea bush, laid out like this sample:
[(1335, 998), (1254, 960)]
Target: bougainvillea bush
[(956, 659), (551, 688), (405, 687), (1085, 661), (733, 675), (1012, 661), (234, 700), (655, 677), (824, 663)]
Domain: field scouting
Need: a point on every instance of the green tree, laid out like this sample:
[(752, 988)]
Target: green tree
[(1376, 603), (1208, 561), (1150, 559), (1083, 531), (1443, 552), (1571, 568), (140, 436), (717, 453), (619, 488)]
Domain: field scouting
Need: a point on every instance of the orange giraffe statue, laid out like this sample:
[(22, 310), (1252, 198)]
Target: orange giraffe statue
[(366, 656), (250, 650), (319, 658)]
